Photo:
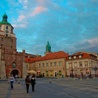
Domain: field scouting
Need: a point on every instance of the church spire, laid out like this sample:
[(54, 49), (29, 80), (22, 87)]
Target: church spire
[(48, 48)]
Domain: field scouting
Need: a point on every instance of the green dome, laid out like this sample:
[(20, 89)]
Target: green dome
[(4, 20), (4, 16)]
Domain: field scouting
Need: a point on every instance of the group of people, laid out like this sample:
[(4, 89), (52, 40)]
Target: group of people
[(30, 80)]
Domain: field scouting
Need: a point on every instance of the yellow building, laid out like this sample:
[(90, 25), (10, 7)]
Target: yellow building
[(50, 65)]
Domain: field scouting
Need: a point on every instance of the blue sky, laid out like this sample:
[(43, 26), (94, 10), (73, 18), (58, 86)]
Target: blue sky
[(69, 25)]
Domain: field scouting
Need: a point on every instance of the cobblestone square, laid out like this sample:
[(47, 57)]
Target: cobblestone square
[(52, 88)]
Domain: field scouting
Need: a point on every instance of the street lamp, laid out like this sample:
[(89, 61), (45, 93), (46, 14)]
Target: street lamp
[(95, 69)]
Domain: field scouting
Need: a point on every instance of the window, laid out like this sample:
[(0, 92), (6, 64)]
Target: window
[(6, 27), (75, 64), (86, 63), (50, 64), (7, 32), (70, 57), (14, 65), (54, 63), (74, 57), (60, 63), (42, 64), (6, 35), (80, 56), (60, 73), (80, 63), (39, 65), (46, 64)]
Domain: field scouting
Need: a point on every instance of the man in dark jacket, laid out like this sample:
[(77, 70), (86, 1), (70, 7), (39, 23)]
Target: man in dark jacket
[(33, 82)]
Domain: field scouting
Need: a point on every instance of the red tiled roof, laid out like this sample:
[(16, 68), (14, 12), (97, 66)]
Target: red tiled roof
[(84, 55), (32, 59), (54, 55)]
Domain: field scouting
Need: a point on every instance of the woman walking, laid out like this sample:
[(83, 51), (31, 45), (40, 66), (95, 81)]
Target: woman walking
[(33, 82), (27, 81), (11, 80)]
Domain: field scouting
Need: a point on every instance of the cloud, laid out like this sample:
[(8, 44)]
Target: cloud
[(19, 25), (20, 18), (38, 10)]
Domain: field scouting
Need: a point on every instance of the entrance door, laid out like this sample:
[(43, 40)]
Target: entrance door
[(15, 72)]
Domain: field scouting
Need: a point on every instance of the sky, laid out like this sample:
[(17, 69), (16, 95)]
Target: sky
[(69, 25)]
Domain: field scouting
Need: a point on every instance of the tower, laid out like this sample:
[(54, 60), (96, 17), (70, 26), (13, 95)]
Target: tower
[(8, 39), (48, 48)]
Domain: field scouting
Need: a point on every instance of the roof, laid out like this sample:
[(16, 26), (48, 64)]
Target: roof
[(32, 59), (55, 55), (4, 20), (84, 55)]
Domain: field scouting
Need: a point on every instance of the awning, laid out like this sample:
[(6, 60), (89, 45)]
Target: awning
[(31, 71)]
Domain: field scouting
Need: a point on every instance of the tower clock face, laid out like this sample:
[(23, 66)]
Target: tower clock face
[(14, 65)]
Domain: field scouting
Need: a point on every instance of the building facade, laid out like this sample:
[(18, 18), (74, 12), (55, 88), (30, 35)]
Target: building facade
[(11, 61), (82, 63), (61, 64)]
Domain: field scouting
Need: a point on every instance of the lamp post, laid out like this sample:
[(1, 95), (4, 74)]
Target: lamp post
[(95, 69)]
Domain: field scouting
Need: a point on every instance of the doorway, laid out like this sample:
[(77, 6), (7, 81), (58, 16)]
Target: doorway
[(15, 72)]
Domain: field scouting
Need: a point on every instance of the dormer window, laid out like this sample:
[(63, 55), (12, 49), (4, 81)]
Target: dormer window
[(69, 57), (80, 56), (74, 57)]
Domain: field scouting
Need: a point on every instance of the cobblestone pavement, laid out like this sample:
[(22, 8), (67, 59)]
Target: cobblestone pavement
[(52, 88)]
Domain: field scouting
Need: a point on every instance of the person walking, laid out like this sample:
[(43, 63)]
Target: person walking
[(11, 80), (27, 81), (33, 82)]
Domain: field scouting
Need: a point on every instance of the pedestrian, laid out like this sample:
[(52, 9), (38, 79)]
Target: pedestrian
[(27, 81), (16, 77), (11, 80), (33, 82)]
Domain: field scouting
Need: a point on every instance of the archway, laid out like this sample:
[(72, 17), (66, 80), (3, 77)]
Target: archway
[(15, 72)]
